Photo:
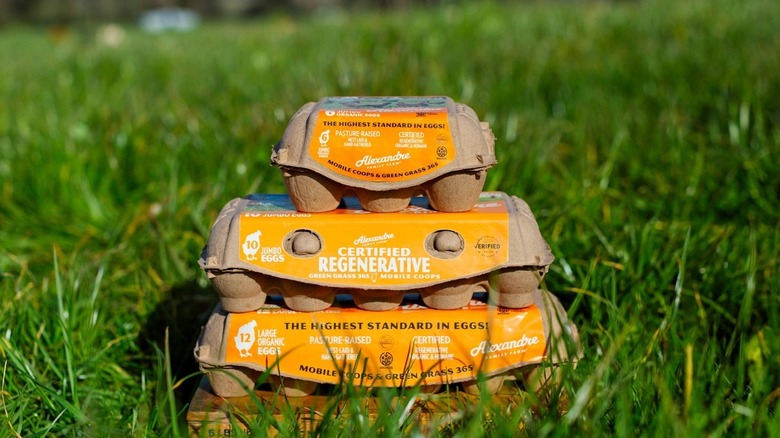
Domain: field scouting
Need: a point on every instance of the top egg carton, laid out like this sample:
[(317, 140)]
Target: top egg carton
[(385, 150)]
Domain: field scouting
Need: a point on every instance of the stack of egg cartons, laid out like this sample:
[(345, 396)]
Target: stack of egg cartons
[(385, 264)]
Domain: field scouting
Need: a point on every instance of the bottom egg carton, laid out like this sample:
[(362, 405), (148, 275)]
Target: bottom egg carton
[(296, 352)]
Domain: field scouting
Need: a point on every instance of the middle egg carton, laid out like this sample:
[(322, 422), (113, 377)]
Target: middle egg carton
[(260, 245)]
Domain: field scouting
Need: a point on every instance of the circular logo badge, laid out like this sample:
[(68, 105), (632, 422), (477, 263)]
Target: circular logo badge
[(487, 246), (386, 342), (386, 359), (441, 151)]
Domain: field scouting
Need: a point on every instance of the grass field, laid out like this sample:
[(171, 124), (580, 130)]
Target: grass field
[(644, 135)]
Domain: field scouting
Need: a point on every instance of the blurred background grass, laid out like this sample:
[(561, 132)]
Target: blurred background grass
[(645, 136)]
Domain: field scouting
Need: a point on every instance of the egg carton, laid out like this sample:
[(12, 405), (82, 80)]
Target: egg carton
[(384, 151), (261, 246), (291, 350)]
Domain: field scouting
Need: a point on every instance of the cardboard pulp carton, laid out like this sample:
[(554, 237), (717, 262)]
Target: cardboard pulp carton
[(260, 246), (412, 345), (385, 150)]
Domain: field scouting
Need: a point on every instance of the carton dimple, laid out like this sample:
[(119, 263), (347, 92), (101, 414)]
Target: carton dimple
[(260, 246), (410, 346), (384, 151)]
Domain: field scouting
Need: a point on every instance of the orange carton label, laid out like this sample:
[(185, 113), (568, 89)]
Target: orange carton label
[(373, 250), (382, 139), (404, 347)]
